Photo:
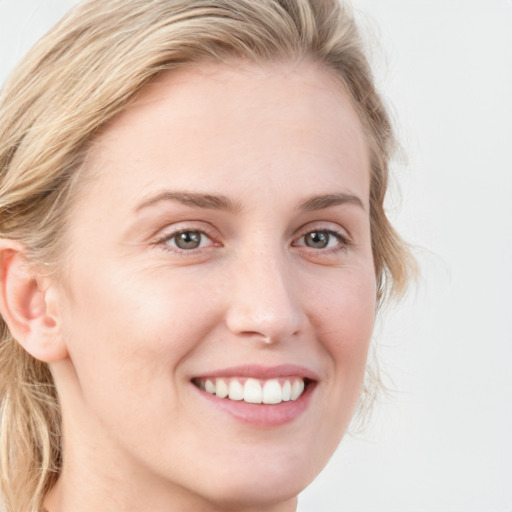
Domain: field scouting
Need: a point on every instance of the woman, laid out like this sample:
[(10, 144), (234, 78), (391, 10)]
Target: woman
[(193, 249)]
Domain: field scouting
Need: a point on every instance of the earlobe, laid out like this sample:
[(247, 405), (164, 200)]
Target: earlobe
[(28, 305)]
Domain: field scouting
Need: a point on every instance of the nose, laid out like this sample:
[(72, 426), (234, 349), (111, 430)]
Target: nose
[(264, 302)]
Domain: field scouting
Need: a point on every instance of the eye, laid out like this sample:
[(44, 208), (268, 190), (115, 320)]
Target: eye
[(319, 240), (323, 239), (187, 240)]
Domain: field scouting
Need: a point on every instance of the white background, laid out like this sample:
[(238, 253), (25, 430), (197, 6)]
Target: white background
[(442, 442)]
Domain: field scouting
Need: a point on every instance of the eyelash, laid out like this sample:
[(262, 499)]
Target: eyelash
[(164, 242), (343, 241), (343, 244)]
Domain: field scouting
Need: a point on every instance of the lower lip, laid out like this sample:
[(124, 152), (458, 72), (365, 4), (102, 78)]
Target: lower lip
[(262, 415)]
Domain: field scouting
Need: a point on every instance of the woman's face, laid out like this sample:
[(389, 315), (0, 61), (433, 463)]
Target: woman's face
[(220, 244)]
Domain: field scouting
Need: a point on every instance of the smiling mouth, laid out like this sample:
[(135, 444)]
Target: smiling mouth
[(254, 391)]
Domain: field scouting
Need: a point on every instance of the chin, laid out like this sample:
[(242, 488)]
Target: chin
[(256, 494), (261, 483)]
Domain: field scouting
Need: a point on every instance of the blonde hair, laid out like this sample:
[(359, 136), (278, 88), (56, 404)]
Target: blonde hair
[(78, 77)]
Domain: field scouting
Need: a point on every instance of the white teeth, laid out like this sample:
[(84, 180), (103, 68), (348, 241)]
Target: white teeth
[(209, 386), (272, 393), (253, 391), (297, 389), (236, 390), (221, 388), (287, 391)]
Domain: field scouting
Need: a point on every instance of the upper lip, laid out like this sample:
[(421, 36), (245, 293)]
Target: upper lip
[(261, 372)]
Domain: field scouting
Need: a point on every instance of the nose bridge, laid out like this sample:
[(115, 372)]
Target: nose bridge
[(264, 299)]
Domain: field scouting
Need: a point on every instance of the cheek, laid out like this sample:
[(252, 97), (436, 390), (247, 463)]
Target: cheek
[(347, 311), (133, 332), (345, 326)]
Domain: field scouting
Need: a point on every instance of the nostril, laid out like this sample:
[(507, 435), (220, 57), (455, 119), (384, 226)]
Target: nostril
[(259, 336), (264, 327), (263, 300)]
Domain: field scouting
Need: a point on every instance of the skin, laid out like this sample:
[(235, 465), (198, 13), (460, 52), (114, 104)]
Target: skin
[(140, 317)]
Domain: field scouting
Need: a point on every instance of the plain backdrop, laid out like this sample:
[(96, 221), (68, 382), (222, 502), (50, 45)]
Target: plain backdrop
[(442, 441)]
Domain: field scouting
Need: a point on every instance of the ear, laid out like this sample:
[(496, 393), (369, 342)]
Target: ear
[(28, 305)]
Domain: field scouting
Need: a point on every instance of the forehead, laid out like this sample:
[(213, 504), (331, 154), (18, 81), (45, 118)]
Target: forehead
[(212, 122)]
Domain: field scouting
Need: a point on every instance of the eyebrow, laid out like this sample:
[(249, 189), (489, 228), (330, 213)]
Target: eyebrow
[(220, 202), (321, 202), (195, 200)]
